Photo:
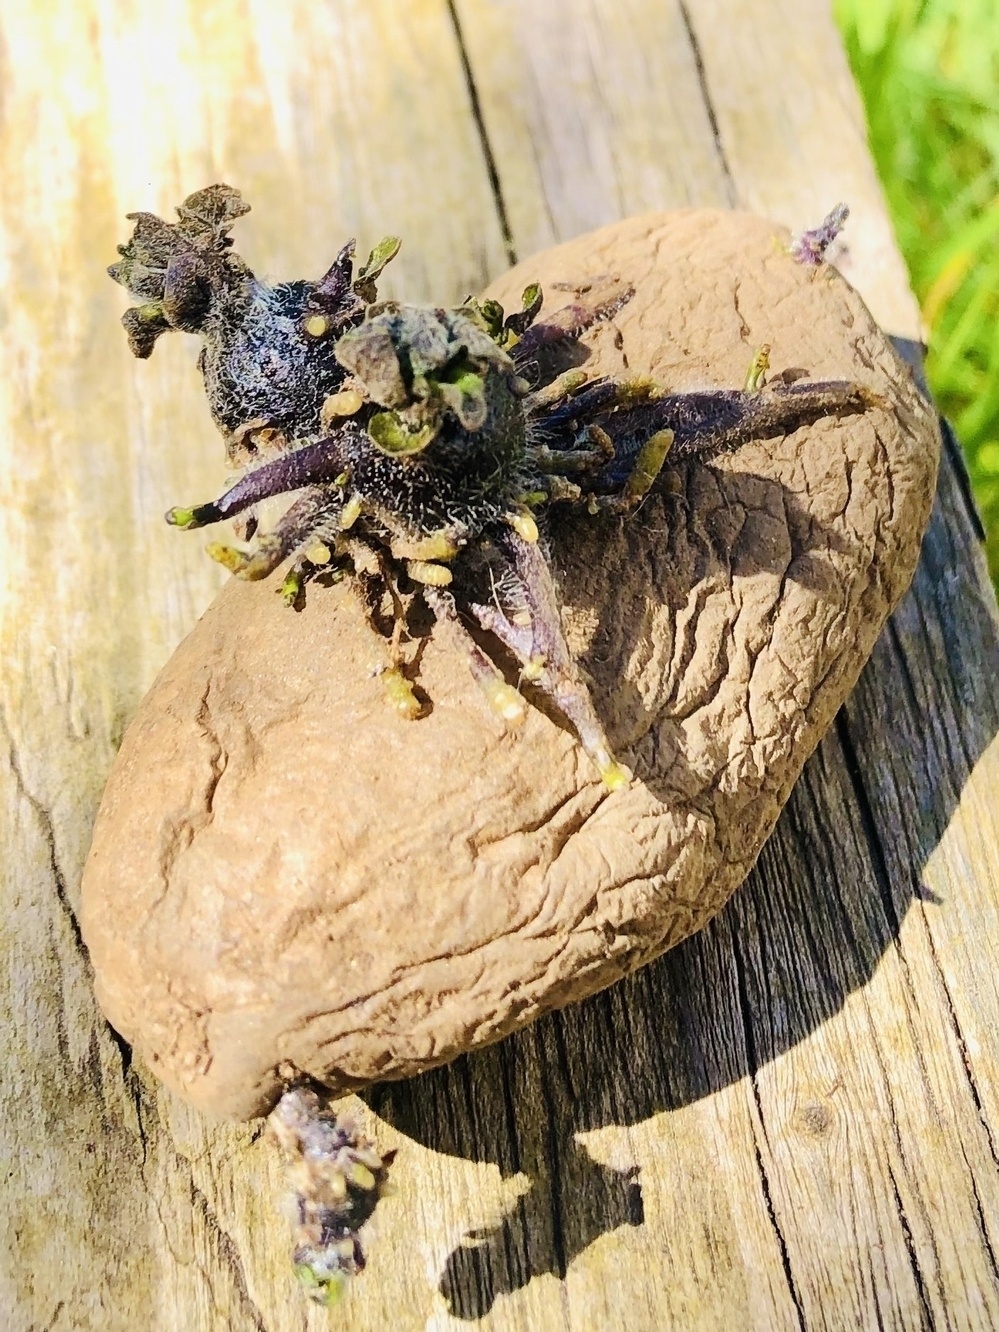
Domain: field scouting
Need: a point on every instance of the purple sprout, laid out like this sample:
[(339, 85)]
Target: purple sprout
[(809, 247)]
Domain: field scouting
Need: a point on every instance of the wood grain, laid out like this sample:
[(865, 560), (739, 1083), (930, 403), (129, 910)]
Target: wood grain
[(788, 1122)]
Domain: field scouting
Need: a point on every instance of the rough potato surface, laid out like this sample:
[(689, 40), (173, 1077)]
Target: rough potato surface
[(286, 876)]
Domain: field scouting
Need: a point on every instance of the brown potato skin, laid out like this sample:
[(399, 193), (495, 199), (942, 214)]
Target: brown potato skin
[(286, 876)]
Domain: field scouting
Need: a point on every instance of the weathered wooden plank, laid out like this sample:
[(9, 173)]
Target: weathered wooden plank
[(591, 112), (899, 1232), (807, 1089), (330, 115)]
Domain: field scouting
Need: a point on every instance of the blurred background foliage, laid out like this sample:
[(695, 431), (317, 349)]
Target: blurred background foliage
[(928, 72)]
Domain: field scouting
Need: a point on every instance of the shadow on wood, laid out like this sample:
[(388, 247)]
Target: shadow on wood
[(808, 928)]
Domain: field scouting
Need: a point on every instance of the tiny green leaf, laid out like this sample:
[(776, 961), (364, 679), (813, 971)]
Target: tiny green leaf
[(383, 253), (465, 394), (517, 324), (391, 435)]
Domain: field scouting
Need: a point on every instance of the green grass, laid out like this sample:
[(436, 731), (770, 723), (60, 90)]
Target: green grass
[(928, 71)]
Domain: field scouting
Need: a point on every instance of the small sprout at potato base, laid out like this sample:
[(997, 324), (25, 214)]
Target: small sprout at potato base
[(428, 448), (337, 1178)]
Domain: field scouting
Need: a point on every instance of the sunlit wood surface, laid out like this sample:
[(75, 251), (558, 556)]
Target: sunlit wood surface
[(788, 1122)]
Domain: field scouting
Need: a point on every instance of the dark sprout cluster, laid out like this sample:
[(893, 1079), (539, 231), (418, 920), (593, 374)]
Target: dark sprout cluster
[(426, 447)]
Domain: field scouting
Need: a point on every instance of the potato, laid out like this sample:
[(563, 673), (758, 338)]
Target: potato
[(286, 877)]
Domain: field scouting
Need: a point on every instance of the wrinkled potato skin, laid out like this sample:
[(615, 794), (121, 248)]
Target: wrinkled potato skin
[(286, 875)]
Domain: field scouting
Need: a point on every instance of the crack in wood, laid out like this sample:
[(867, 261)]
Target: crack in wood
[(228, 1252), (926, 1313), (480, 124), (553, 1120), (983, 1230), (746, 1015), (709, 105), (47, 830), (962, 1046), (785, 1257), (869, 823), (131, 1086)]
